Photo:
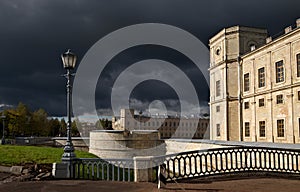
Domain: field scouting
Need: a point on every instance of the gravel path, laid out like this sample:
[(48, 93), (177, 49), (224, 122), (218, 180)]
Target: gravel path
[(246, 185)]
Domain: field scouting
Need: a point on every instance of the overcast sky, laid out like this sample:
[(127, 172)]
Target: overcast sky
[(34, 33)]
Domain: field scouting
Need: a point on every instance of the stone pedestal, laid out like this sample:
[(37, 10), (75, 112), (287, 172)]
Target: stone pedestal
[(61, 171), (143, 169)]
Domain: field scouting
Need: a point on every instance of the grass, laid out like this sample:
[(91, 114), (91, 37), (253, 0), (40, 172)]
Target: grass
[(20, 155)]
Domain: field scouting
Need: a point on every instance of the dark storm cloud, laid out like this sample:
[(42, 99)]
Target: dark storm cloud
[(34, 33)]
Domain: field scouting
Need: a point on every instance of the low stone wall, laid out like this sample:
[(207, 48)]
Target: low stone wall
[(109, 144), (33, 141), (79, 143)]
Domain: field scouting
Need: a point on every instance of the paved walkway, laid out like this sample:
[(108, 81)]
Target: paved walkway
[(245, 185)]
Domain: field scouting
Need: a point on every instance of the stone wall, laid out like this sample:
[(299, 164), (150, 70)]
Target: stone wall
[(109, 144)]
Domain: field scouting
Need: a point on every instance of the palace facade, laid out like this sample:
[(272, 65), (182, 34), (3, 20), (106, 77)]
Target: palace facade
[(167, 126), (255, 85)]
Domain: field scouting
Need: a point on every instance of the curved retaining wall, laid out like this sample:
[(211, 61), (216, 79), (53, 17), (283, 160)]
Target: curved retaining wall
[(110, 144)]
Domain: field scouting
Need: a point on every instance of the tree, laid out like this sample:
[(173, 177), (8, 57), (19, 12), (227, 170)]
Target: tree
[(63, 127), (40, 123), (74, 130), (54, 127)]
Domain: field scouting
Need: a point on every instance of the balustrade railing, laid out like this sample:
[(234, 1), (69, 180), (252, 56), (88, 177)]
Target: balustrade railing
[(99, 169), (231, 160)]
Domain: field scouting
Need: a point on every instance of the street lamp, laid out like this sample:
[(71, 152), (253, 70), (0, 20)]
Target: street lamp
[(140, 114), (3, 129), (69, 61)]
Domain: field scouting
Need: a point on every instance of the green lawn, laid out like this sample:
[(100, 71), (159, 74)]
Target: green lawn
[(18, 155)]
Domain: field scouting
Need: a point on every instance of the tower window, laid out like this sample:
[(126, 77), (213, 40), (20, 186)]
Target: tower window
[(218, 108), (218, 88), (298, 64), (261, 77), (279, 71), (299, 126), (246, 82)]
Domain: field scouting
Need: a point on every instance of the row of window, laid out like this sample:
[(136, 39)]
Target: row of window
[(262, 128), (261, 102), (170, 124), (196, 135), (279, 67)]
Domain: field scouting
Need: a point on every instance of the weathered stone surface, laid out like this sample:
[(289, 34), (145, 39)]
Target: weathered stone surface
[(60, 171), (16, 170)]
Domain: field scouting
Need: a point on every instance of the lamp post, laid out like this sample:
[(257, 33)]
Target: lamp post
[(69, 61), (3, 130), (140, 114)]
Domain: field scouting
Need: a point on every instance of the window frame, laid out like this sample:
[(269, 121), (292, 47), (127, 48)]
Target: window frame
[(262, 130), (218, 88), (246, 82), (218, 108), (279, 69), (279, 99), (247, 129), (299, 127), (246, 106), (261, 77), (298, 64), (218, 130), (280, 128), (261, 104)]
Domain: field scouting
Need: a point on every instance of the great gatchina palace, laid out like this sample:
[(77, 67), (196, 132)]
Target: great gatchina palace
[(255, 85)]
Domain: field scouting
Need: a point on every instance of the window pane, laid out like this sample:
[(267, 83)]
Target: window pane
[(298, 65), (218, 130), (261, 77), (218, 88), (261, 102), (279, 99), (280, 128), (262, 128), (246, 105), (279, 72), (247, 129), (246, 82)]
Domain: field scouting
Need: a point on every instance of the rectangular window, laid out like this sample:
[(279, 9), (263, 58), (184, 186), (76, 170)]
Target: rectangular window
[(299, 126), (262, 128), (246, 105), (279, 71), (261, 77), (246, 82), (218, 108), (247, 129), (280, 128), (298, 95), (218, 130), (298, 65), (218, 88), (279, 99), (261, 102)]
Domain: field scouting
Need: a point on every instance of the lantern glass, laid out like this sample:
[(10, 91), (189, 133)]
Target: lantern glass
[(69, 60)]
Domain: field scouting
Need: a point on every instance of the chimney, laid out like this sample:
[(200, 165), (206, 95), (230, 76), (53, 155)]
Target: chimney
[(298, 22), (269, 39), (288, 29)]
